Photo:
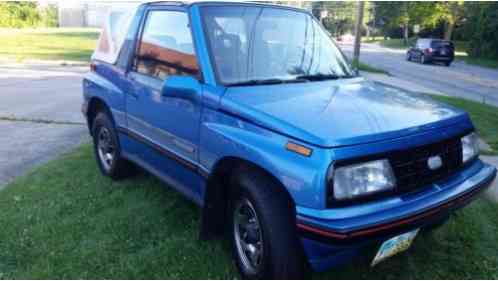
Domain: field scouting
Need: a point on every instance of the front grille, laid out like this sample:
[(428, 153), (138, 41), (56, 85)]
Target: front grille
[(411, 166), (411, 169)]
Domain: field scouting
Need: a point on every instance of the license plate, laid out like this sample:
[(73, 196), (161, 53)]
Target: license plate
[(394, 246)]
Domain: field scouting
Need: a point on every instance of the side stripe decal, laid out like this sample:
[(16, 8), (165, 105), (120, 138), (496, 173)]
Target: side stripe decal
[(187, 164)]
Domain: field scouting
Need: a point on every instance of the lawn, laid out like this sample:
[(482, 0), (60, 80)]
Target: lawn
[(484, 62), (485, 118), (68, 44), (66, 221), (368, 68)]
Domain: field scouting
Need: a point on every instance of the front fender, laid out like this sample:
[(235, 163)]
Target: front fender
[(223, 136)]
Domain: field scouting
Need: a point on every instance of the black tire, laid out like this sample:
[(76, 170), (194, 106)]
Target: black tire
[(408, 56), (118, 167), (423, 60), (282, 254), (448, 63)]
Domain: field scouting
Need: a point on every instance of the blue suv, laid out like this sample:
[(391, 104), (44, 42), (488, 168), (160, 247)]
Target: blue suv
[(253, 113)]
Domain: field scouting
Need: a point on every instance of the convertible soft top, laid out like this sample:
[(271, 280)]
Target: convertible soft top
[(113, 34)]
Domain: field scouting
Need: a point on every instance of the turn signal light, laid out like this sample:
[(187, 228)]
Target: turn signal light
[(299, 149)]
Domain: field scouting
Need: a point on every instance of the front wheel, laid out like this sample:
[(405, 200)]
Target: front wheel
[(448, 63), (408, 56), (264, 238)]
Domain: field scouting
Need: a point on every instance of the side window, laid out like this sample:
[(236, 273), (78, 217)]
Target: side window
[(166, 47)]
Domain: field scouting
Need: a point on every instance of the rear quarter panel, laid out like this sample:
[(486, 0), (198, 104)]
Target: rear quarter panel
[(107, 83)]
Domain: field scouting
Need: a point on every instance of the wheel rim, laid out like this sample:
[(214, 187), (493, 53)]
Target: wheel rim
[(106, 148), (248, 236), (422, 59), (408, 56)]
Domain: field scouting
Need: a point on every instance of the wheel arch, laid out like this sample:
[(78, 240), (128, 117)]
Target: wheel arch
[(218, 189), (96, 105)]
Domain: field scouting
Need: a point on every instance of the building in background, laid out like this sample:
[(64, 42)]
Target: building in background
[(88, 13), (93, 13)]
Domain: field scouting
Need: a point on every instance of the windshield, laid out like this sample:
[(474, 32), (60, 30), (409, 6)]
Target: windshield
[(270, 44)]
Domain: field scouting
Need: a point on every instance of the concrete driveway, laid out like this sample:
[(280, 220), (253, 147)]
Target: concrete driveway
[(28, 94), (460, 79)]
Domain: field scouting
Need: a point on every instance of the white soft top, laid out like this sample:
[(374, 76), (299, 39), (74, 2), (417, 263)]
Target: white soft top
[(113, 34)]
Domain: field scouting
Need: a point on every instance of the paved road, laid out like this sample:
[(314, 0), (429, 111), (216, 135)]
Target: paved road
[(460, 79), (51, 93)]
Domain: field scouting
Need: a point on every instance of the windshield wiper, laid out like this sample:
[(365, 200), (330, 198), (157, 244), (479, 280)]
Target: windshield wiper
[(270, 81), (321, 76)]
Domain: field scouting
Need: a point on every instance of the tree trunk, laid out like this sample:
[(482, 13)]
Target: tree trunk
[(448, 30), (405, 34), (357, 35)]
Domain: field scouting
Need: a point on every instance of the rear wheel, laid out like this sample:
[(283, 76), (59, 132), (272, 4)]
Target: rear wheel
[(448, 63), (265, 244), (423, 60), (107, 150)]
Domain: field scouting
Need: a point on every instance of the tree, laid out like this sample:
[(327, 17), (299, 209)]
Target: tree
[(451, 13), (481, 27), (393, 15), (426, 14), (340, 16)]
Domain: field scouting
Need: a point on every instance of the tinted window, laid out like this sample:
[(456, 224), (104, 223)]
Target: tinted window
[(166, 46), (255, 43), (438, 44)]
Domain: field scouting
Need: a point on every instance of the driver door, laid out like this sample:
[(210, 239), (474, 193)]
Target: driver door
[(164, 128)]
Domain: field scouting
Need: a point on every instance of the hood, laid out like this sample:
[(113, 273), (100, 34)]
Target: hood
[(340, 112)]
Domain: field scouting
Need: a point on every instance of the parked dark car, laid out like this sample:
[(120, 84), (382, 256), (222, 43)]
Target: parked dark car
[(432, 50)]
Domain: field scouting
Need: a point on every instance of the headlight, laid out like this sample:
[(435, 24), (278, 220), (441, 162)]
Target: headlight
[(470, 147), (362, 179)]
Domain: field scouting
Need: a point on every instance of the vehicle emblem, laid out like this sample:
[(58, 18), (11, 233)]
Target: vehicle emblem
[(435, 162)]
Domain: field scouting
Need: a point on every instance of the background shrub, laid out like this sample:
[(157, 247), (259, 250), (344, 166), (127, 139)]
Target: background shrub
[(26, 14)]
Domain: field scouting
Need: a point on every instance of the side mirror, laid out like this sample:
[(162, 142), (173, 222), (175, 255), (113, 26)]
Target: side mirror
[(181, 87)]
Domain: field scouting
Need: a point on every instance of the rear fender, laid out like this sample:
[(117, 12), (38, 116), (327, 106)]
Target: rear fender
[(97, 86)]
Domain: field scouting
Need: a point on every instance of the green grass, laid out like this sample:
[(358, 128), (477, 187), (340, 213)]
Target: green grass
[(368, 68), (485, 117), (371, 39), (484, 62), (396, 43), (67, 44), (66, 221)]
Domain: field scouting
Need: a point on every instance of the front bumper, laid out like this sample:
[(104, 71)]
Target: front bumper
[(335, 236)]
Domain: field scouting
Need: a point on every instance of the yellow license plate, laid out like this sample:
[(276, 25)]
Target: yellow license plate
[(394, 246)]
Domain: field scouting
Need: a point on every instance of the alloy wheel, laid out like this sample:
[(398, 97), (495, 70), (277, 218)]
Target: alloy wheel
[(248, 236), (106, 148)]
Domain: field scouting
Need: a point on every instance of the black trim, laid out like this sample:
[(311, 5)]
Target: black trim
[(187, 164), (332, 202), (148, 8)]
